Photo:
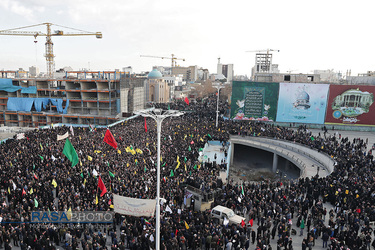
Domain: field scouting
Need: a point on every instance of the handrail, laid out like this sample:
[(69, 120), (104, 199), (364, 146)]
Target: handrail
[(275, 143), (280, 149)]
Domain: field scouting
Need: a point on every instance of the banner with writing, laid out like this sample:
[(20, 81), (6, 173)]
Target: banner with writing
[(254, 100), (134, 207), (62, 137)]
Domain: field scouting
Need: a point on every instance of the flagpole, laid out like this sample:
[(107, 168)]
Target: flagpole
[(158, 115)]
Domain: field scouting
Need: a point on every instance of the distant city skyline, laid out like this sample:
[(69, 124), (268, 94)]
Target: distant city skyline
[(311, 36)]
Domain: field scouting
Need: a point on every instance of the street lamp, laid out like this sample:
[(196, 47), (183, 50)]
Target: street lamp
[(158, 115), (218, 87)]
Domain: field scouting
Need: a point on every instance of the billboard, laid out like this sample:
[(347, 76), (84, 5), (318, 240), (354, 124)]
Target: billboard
[(302, 103), (351, 104), (254, 100)]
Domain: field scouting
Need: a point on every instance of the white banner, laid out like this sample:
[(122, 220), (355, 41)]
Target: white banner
[(21, 136), (133, 206), (62, 137)]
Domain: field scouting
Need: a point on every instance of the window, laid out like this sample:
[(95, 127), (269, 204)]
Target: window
[(287, 78), (216, 212), (310, 78)]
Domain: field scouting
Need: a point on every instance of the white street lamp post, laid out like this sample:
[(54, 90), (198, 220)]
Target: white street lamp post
[(158, 115), (218, 87)]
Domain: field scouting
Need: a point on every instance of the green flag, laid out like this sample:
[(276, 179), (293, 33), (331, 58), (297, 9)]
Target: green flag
[(145, 169), (200, 149), (111, 174), (312, 138), (209, 136), (33, 166), (70, 152), (82, 175), (36, 203), (41, 157), (243, 193), (169, 107), (189, 148), (185, 159), (164, 164), (195, 167), (172, 174)]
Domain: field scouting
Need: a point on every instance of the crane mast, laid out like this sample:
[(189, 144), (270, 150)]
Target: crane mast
[(50, 57)]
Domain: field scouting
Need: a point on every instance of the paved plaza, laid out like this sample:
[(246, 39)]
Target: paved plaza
[(216, 149)]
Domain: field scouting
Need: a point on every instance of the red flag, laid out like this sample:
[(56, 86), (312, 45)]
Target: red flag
[(186, 100), (145, 125), (109, 139), (243, 223), (176, 231), (23, 191), (36, 178), (251, 222), (102, 186)]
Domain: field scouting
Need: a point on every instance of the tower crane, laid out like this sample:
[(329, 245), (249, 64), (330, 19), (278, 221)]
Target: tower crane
[(173, 59), (49, 44), (264, 50), (263, 60)]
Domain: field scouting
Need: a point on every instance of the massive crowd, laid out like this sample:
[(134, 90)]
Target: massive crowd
[(36, 175)]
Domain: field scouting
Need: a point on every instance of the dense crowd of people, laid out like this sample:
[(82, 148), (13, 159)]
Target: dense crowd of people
[(36, 176)]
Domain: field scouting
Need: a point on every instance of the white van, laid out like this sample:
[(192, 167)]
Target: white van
[(218, 213)]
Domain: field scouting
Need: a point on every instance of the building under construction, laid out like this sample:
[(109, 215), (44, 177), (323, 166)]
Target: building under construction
[(98, 98)]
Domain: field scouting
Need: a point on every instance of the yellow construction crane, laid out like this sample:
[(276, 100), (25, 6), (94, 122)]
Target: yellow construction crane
[(173, 58), (49, 44)]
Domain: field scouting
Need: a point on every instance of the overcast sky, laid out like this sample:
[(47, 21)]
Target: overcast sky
[(329, 34)]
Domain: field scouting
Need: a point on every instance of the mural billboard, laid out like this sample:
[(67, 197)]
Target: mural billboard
[(351, 104), (302, 103), (254, 101)]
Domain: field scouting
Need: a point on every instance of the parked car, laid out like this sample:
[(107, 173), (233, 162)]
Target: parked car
[(219, 213)]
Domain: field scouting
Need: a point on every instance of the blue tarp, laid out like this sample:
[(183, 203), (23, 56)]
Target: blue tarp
[(29, 90), (25, 104), (58, 104), (65, 110), (20, 104), (7, 85), (38, 102)]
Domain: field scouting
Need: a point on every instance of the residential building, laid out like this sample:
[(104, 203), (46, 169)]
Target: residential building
[(189, 74), (286, 77), (226, 70)]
